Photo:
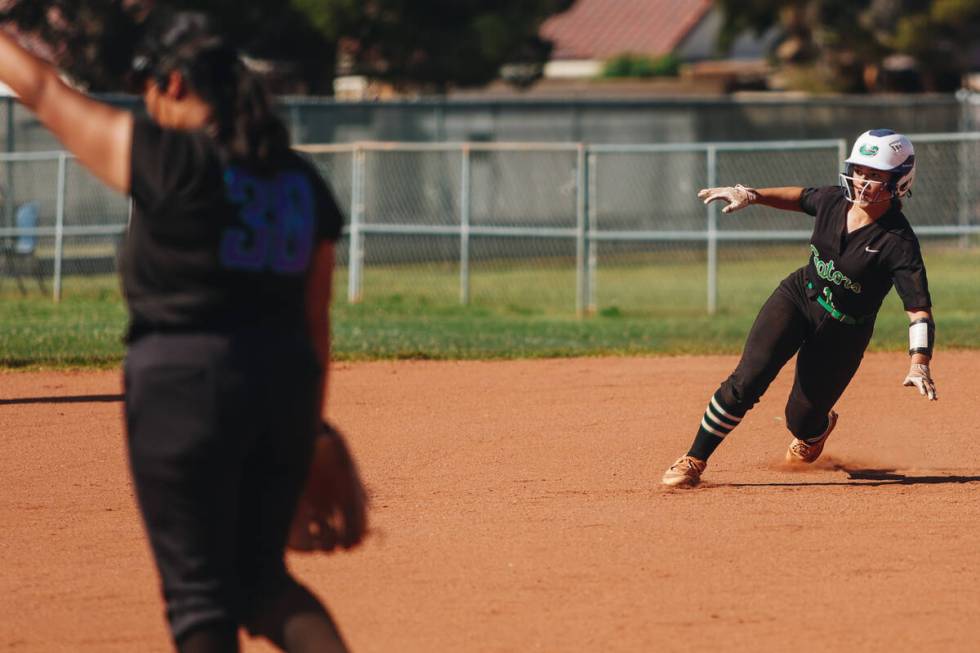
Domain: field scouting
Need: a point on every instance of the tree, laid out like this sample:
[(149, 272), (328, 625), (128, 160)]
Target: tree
[(436, 44), (93, 41), (848, 40), (941, 38), (276, 31), (422, 44)]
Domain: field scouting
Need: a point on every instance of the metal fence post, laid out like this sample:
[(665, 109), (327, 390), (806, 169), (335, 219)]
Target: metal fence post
[(712, 156), (8, 189), (581, 273), (464, 226), (355, 256), (592, 222), (964, 188), (59, 224), (965, 169)]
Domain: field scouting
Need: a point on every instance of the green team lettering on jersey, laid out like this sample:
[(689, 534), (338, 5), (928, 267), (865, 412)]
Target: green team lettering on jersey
[(825, 270)]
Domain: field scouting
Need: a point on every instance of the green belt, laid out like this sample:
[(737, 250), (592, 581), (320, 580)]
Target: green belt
[(834, 313)]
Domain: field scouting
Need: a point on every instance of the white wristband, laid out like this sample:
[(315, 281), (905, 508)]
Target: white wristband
[(919, 336)]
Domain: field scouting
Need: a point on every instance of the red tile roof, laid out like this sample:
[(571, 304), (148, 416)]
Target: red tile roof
[(599, 29)]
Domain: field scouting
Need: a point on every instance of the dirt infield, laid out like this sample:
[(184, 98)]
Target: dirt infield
[(517, 507)]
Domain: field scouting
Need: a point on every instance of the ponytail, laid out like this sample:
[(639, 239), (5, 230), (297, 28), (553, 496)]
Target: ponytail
[(244, 122)]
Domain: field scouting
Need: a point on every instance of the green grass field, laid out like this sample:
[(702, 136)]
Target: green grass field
[(645, 306)]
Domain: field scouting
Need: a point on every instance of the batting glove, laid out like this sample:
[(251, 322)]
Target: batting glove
[(919, 377), (737, 196)]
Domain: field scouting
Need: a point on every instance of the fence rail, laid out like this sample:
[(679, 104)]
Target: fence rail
[(585, 222), (582, 196)]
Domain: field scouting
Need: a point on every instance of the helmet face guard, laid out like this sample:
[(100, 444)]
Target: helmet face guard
[(869, 191), (884, 150)]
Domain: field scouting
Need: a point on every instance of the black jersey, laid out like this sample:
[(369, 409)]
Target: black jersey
[(855, 271), (214, 245)]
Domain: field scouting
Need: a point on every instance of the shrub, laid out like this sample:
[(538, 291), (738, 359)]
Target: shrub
[(629, 64)]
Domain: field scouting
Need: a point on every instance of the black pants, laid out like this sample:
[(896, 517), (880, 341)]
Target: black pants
[(220, 431), (829, 353)]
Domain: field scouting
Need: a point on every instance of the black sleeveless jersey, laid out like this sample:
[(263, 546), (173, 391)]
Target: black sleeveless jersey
[(216, 246), (855, 271)]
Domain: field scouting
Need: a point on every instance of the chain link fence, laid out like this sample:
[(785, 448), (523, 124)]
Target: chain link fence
[(575, 227), (559, 219), (58, 221)]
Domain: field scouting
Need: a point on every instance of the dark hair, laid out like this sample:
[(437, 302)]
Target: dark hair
[(243, 120)]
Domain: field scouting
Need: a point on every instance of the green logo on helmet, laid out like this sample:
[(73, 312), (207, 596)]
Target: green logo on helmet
[(868, 150)]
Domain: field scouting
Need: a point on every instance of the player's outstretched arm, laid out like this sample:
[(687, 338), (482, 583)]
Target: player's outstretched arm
[(922, 335), (738, 197), (99, 134)]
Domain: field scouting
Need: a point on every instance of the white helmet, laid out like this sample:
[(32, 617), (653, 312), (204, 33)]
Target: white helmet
[(886, 150)]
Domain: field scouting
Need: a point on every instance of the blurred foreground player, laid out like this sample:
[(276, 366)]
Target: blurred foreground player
[(226, 271)]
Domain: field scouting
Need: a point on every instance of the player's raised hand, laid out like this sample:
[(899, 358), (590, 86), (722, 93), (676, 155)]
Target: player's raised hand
[(920, 377), (737, 196)]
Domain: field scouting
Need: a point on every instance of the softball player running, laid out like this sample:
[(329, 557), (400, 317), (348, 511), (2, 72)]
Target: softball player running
[(226, 272), (824, 312)]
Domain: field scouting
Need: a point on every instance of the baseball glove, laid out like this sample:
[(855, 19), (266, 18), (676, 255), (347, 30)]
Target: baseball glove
[(332, 511)]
